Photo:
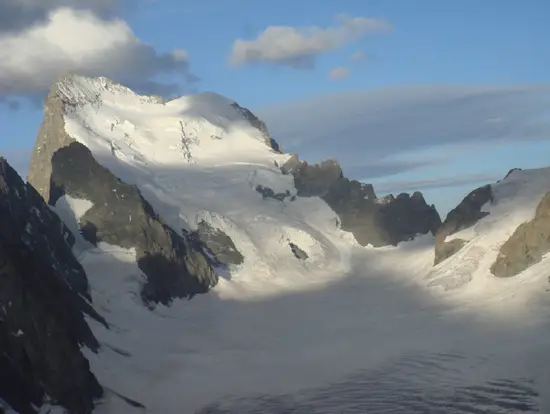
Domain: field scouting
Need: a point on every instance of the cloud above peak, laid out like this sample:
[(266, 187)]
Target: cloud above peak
[(339, 73), (16, 15), (84, 40), (298, 48), (378, 133)]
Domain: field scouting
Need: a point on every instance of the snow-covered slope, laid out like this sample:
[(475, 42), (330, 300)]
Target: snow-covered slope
[(198, 158), (274, 323), (514, 201), (194, 158)]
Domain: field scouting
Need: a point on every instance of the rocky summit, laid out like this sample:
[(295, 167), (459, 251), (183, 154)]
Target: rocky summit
[(465, 215), (375, 221)]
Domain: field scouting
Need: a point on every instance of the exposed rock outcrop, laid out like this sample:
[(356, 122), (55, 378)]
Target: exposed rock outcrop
[(297, 252), (260, 125), (51, 137), (42, 305), (219, 243), (267, 192), (120, 216), (465, 215), (379, 222), (527, 245)]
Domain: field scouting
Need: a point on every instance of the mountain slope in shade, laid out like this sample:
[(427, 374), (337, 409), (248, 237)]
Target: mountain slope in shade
[(44, 296), (196, 183)]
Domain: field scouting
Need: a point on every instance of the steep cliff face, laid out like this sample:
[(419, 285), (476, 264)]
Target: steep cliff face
[(175, 268), (374, 221), (527, 245), (465, 215), (260, 125), (43, 291), (51, 137)]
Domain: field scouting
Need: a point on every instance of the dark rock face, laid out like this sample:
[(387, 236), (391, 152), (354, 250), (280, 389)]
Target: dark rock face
[(260, 125), (527, 245), (267, 192), (121, 216), (511, 171), (465, 215), (379, 222), (220, 244), (297, 252), (42, 306)]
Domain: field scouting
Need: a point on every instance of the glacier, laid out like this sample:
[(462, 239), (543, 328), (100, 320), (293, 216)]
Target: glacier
[(275, 325)]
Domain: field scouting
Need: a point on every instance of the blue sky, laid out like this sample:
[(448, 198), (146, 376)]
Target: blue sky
[(432, 41), (469, 43)]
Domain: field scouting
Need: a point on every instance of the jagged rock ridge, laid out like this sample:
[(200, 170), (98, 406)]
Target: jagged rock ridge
[(42, 306), (260, 125), (465, 215), (374, 221)]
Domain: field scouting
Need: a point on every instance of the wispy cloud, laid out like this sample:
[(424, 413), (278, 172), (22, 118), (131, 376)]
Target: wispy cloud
[(49, 38), (395, 186), (299, 47), (379, 133), (339, 73)]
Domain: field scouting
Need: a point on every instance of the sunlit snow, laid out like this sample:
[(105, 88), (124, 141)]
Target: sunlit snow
[(277, 325)]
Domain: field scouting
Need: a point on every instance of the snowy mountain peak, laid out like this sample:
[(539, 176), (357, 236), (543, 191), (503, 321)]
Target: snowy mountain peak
[(194, 118), (292, 262)]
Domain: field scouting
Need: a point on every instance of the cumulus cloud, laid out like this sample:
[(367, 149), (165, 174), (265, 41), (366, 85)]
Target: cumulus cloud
[(17, 15), (83, 42), (339, 73), (378, 133), (299, 47)]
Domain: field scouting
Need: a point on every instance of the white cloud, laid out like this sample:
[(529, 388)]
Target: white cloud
[(378, 133), (16, 15), (299, 47), (80, 41), (339, 73), (358, 55)]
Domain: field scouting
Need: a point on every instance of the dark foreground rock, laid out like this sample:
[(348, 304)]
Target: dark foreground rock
[(120, 216), (527, 245), (379, 222), (42, 306), (465, 215)]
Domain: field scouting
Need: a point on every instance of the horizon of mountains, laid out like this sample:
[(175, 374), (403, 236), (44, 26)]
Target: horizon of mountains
[(163, 255)]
